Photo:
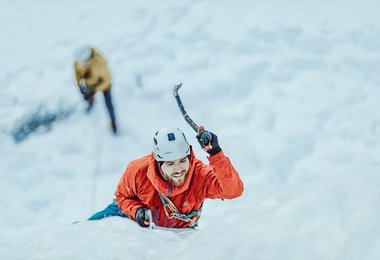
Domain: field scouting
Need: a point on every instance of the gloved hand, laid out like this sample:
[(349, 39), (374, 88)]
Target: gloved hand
[(142, 218), (86, 91), (209, 142)]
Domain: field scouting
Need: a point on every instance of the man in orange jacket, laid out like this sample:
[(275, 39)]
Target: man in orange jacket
[(170, 185)]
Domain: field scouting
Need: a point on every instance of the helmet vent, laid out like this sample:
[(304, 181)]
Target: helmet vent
[(171, 137)]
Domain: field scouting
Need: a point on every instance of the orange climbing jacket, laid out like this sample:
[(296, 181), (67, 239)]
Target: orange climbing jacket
[(176, 207)]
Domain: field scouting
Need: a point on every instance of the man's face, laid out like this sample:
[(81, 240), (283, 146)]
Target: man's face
[(175, 172)]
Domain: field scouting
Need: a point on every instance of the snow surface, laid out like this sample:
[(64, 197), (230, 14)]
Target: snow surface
[(292, 89)]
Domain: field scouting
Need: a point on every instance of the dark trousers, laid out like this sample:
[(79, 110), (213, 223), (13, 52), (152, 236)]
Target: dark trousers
[(108, 100), (109, 105), (111, 210)]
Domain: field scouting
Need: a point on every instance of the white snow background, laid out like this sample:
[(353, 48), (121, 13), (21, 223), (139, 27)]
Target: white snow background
[(291, 88)]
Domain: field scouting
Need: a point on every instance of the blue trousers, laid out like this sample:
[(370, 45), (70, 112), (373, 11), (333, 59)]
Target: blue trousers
[(109, 105), (111, 210), (108, 100)]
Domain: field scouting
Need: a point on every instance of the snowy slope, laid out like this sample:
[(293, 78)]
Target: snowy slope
[(291, 89)]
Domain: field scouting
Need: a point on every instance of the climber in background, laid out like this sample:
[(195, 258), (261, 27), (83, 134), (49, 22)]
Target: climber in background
[(92, 76)]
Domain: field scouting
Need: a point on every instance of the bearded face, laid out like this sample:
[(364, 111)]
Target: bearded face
[(175, 172)]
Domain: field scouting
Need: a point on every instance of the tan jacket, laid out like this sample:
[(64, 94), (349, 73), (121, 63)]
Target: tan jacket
[(95, 73)]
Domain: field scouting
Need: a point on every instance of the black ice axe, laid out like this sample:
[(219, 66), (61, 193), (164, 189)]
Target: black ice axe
[(203, 136)]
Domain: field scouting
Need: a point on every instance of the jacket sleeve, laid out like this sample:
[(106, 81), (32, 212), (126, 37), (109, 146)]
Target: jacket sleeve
[(103, 84), (126, 191), (222, 180), (103, 81)]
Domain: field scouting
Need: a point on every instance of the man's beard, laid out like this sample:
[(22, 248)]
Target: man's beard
[(175, 181)]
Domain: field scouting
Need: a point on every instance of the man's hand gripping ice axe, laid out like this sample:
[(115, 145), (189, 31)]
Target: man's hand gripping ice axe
[(144, 218), (148, 217), (207, 140)]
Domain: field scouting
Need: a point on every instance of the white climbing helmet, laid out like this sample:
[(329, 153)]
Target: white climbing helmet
[(83, 55), (170, 144)]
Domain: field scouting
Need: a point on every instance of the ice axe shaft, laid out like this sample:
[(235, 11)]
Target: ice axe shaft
[(197, 129), (182, 108)]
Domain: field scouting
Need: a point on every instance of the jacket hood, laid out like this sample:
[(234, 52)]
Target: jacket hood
[(164, 187)]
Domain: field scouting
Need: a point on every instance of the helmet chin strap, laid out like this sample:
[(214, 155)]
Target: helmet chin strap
[(158, 164)]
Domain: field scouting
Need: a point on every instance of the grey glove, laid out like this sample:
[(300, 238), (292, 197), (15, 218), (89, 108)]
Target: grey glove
[(86, 91)]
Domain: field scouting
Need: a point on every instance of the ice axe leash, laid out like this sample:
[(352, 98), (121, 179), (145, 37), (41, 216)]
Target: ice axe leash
[(198, 129)]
